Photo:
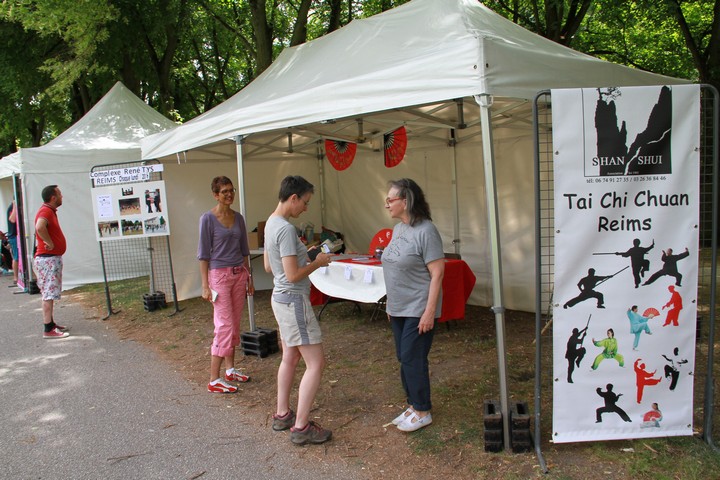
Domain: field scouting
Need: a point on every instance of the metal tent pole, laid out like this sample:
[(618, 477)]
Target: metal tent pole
[(455, 199), (321, 173), (243, 210), (538, 288), (485, 102)]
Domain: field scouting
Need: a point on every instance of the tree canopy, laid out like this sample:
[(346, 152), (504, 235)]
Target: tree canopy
[(183, 57)]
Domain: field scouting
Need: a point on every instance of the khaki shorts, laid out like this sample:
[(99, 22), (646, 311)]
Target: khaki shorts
[(296, 319)]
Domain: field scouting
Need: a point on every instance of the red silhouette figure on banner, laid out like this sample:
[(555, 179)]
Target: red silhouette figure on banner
[(643, 378), (675, 304)]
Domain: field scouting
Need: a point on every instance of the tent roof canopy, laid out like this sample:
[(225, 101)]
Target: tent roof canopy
[(110, 131), (118, 121), (419, 54)]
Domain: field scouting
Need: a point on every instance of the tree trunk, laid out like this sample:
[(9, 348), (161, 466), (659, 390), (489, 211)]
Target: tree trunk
[(299, 35), (335, 12), (263, 35)]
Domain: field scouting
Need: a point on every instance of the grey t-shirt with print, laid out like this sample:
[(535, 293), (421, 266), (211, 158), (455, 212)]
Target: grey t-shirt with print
[(281, 240), (404, 260)]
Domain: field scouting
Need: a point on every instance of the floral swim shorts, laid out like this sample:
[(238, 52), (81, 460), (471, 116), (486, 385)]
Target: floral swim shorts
[(49, 276)]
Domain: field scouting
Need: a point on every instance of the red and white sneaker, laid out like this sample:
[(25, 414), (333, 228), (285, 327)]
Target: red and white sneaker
[(55, 333), (61, 328), (218, 386), (234, 375)]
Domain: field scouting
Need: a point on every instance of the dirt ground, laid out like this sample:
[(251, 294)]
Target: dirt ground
[(361, 391)]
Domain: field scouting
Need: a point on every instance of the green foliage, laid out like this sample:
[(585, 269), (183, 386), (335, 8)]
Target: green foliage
[(636, 34)]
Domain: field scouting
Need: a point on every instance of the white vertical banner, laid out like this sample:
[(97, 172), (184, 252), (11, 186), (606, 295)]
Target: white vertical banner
[(626, 181)]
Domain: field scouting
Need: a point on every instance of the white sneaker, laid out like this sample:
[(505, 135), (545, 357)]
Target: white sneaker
[(415, 422), (401, 418)]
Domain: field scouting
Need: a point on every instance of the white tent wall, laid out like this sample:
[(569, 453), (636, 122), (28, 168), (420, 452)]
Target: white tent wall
[(9, 166), (6, 197), (355, 200)]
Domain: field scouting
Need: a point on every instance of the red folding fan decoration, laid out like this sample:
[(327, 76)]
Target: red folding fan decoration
[(395, 145), (651, 311), (340, 154)]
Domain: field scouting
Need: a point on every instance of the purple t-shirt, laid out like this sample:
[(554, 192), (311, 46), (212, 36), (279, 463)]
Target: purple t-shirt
[(221, 246)]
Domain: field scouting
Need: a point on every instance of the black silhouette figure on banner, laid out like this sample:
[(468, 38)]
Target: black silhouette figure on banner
[(611, 398), (669, 267), (148, 201), (643, 378), (587, 285), (156, 201), (672, 370), (638, 262), (675, 304), (575, 352)]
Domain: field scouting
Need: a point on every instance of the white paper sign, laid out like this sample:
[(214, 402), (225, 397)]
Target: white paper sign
[(368, 277), (104, 206)]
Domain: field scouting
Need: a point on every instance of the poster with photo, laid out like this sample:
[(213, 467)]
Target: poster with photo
[(130, 210), (626, 212)]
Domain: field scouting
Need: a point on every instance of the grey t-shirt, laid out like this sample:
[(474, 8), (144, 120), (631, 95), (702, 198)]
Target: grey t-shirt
[(404, 260), (281, 240)]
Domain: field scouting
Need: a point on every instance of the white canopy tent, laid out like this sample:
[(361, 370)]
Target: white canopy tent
[(459, 78), (424, 65), (109, 133)]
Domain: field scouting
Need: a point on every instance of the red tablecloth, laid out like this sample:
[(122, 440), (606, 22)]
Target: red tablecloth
[(458, 284)]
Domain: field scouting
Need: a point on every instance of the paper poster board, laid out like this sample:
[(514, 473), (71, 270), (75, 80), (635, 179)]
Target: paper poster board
[(626, 213), (130, 210)]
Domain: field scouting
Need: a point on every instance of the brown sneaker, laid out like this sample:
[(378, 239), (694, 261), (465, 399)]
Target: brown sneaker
[(312, 433), (284, 422)]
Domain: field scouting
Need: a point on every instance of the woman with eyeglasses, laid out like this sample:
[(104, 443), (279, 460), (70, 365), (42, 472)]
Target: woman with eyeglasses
[(286, 257), (413, 267), (223, 253)]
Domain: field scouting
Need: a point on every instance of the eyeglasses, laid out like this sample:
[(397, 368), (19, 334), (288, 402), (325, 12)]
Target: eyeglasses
[(389, 201), (228, 191), (306, 202)]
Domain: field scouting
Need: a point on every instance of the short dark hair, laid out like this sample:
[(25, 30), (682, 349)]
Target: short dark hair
[(294, 185), (218, 182), (417, 207), (48, 192)]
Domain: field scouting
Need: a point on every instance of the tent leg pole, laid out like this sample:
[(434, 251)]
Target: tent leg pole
[(538, 295), (485, 102), (243, 210), (455, 199), (321, 173)]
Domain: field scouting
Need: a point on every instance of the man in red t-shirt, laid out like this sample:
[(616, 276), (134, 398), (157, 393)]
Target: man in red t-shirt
[(48, 258)]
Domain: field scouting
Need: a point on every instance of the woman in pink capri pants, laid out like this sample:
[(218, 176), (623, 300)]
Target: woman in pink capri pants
[(225, 272)]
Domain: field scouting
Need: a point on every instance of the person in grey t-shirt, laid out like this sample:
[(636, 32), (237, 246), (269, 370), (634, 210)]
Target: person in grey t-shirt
[(287, 259), (413, 267)]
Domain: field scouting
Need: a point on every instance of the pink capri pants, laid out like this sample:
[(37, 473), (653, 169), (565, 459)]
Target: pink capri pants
[(230, 283)]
